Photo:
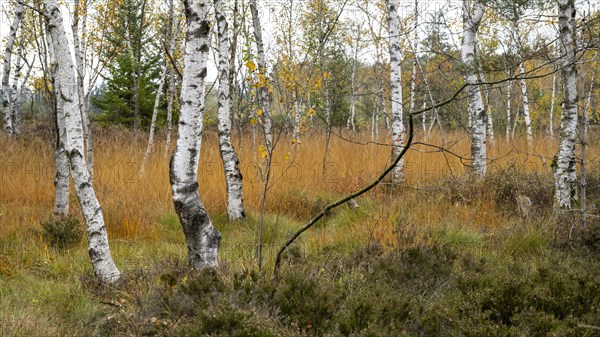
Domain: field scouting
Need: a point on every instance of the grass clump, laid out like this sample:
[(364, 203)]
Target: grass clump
[(62, 232)]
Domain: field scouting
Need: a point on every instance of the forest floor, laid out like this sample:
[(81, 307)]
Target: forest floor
[(441, 255)]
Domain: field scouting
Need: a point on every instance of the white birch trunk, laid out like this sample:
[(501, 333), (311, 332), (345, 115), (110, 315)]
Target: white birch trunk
[(508, 110), (552, 99), (80, 68), (172, 85), (264, 100), (350, 124), (476, 110), (488, 107), (565, 179), (201, 237), (297, 120), (398, 132), (233, 176), (61, 161), (6, 93), (14, 93), (99, 251), (526, 114), (159, 93)]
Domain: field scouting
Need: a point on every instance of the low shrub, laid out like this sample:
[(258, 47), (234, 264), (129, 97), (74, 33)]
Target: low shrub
[(62, 232)]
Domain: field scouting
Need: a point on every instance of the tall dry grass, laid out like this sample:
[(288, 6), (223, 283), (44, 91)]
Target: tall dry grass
[(132, 203)]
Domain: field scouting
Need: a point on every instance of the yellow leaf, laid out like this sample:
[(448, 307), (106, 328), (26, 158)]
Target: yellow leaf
[(251, 65), (259, 112), (263, 151), (253, 121), (286, 157)]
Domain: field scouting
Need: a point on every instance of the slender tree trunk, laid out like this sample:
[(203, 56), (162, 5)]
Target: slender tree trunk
[(61, 178), (526, 108), (99, 252), (584, 144), (552, 99), (201, 237), (565, 179), (80, 68), (264, 100), (172, 85), (6, 93), (352, 118), (398, 132), (488, 107), (413, 75), (21, 94), (138, 74), (159, 92), (508, 109), (233, 85), (14, 93), (471, 20), (233, 176)]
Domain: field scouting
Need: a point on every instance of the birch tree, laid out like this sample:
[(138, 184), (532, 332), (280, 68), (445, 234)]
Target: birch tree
[(526, 113), (98, 249), (201, 237), (350, 124), (565, 175), (61, 161), (8, 51), (398, 131), (263, 93), (471, 20), (159, 92), (80, 14), (173, 33), (233, 176)]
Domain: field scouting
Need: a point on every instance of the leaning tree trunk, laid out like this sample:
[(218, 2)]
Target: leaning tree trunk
[(398, 131), (201, 237), (476, 110), (6, 94), (159, 92), (565, 179), (233, 176), (263, 92), (102, 261)]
